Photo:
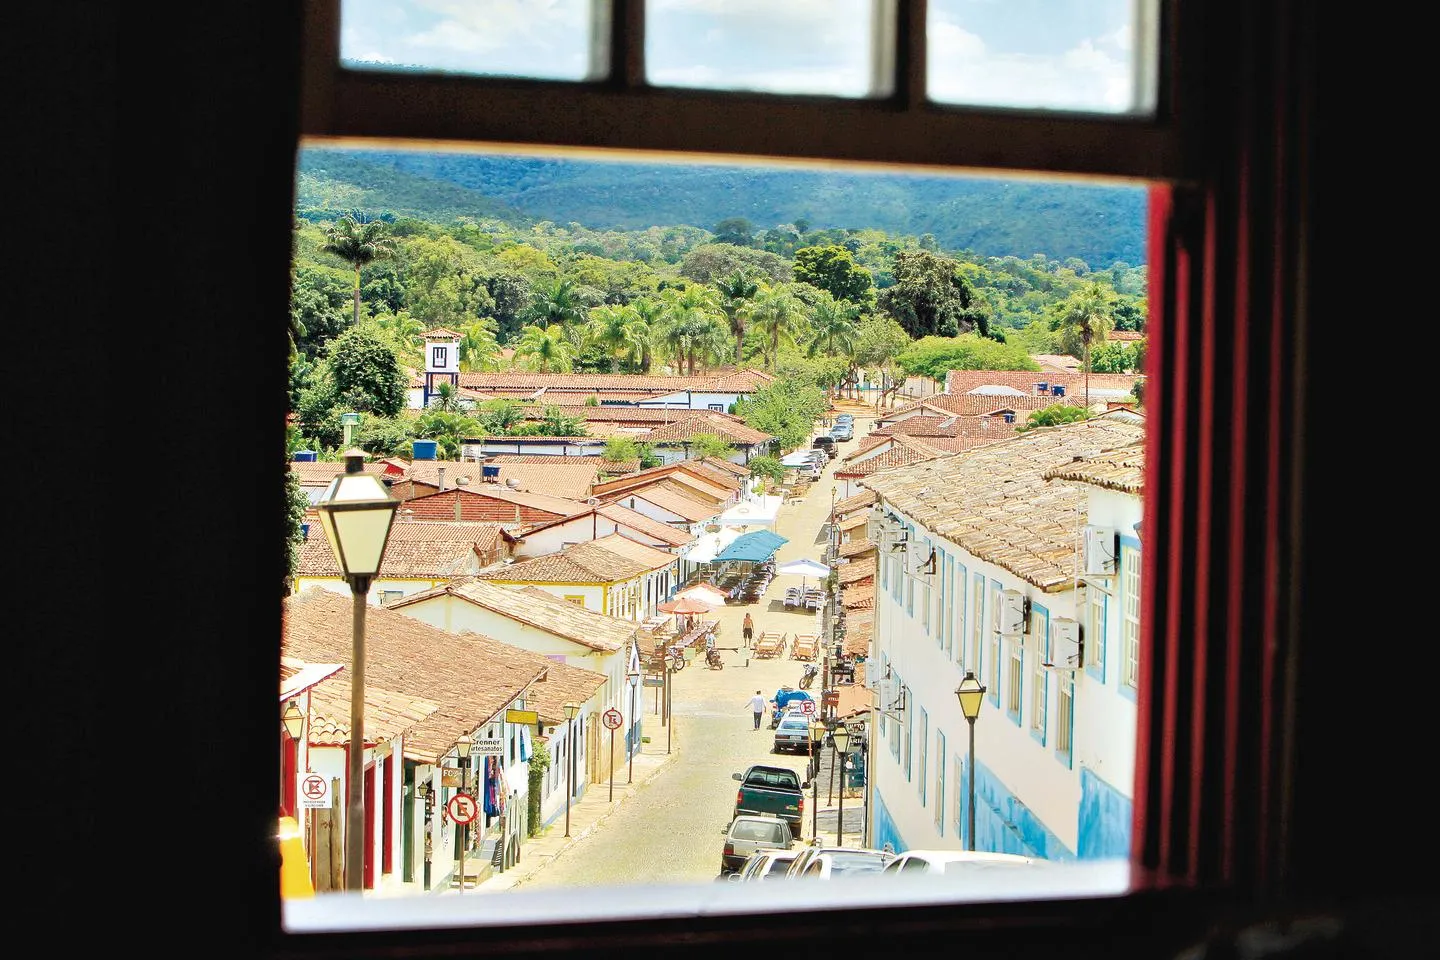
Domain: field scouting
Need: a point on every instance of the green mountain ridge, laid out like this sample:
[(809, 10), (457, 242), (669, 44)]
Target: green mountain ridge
[(1098, 224)]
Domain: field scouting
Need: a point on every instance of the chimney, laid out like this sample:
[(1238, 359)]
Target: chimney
[(441, 478), (457, 506)]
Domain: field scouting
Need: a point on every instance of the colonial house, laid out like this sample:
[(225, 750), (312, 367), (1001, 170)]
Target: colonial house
[(418, 555), (889, 451), (987, 564), (535, 620), (661, 501), (709, 392), (594, 522), (716, 393), (433, 688), (562, 478), (715, 477), (561, 736), (969, 406), (612, 575), (314, 476), (488, 502), (1056, 387), (672, 441)]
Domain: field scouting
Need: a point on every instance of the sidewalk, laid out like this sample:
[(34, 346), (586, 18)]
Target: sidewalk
[(586, 814)]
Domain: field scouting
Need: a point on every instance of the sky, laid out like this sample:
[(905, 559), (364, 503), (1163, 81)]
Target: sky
[(1069, 55)]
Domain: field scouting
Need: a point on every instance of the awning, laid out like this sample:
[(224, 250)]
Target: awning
[(760, 512), (753, 547), (708, 545), (804, 567)]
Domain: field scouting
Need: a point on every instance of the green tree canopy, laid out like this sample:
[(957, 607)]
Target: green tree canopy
[(366, 373), (786, 409), (1054, 414), (933, 357), (621, 449), (710, 261), (767, 466), (931, 297), (833, 269), (704, 445), (359, 241)]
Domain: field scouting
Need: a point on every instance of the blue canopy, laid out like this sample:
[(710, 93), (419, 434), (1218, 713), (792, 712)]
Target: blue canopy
[(752, 547)]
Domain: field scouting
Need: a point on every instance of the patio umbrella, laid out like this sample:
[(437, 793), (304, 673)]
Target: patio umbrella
[(685, 606), (703, 592), (805, 567)]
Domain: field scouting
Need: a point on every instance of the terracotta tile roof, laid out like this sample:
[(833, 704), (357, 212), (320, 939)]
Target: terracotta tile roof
[(441, 333), (728, 428), (859, 629), (862, 499), (321, 472), (856, 570), (738, 381), (859, 595), (852, 699), (640, 523), (896, 456), (417, 549), (469, 677), (562, 478), (388, 713), (607, 560), (684, 483), (646, 417), (535, 607), (725, 466), (667, 499), (488, 502), (563, 683), (857, 519), (995, 503), (643, 385), (696, 469), (1056, 362), (966, 381), (1122, 470), (975, 404), (297, 676), (855, 548), (1125, 336)]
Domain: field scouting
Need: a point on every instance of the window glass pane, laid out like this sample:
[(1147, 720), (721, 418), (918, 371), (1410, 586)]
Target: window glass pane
[(539, 39), (1093, 56), (801, 46)]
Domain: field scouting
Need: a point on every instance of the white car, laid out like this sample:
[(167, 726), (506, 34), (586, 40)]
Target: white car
[(955, 861)]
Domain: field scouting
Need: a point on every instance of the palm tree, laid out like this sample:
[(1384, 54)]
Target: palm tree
[(618, 330), (1082, 319), (545, 349), (557, 303), (649, 317), (736, 292), (690, 319), (359, 241), (777, 314), (446, 398), (479, 350), (833, 329)]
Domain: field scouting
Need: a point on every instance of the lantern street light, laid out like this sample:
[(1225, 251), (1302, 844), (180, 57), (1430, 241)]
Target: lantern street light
[(356, 512), (571, 708), (817, 737), (293, 720), (841, 739), (632, 735), (970, 693)]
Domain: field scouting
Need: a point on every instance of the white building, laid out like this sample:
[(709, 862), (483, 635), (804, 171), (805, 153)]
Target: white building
[(612, 575), (598, 521), (981, 568)]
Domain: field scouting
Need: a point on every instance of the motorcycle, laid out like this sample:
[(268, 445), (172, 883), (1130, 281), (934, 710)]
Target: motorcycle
[(807, 679), (712, 659)]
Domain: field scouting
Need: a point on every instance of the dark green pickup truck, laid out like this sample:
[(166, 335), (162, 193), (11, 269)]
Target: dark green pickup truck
[(776, 791)]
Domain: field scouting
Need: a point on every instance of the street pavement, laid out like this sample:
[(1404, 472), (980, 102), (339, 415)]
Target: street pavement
[(667, 825)]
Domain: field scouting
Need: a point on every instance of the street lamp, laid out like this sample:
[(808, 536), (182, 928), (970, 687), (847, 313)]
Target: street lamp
[(356, 512), (841, 739), (571, 708), (293, 720), (817, 735), (971, 692)]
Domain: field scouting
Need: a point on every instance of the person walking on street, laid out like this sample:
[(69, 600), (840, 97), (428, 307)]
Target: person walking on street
[(757, 705), (747, 629)]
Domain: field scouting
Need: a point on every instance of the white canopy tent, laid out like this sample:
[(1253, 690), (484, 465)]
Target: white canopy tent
[(707, 546), (760, 512), (805, 568)]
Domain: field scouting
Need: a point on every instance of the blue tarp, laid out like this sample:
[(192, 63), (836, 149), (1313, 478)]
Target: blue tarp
[(752, 547)]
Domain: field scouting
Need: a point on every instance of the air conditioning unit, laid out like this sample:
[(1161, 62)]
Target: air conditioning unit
[(1099, 551), (885, 691), (1067, 645), (900, 540), (1013, 610)]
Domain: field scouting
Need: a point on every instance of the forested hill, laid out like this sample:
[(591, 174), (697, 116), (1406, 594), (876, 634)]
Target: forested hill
[(990, 217)]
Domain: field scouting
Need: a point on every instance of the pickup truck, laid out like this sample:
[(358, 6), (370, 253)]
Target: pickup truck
[(776, 791)]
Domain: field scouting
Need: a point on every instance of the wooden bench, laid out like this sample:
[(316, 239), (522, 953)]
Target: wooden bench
[(805, 646), (769, 645)]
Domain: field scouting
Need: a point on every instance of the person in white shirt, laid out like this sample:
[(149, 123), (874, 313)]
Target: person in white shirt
[(757, 705)]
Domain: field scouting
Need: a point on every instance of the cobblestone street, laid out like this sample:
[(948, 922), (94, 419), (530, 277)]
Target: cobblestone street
[(670, 830)]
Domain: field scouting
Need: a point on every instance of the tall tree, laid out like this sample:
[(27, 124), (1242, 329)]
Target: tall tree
[(545, 349), (834, 329), (930, 297), (649, 317), (618, 331), (358, 240), (557, 303), (692, 324), (833, 268), (777, 315), (1082, 319), (737, 290)]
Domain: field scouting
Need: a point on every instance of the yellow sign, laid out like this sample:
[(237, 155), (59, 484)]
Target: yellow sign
[(522, 716), (450, 776)]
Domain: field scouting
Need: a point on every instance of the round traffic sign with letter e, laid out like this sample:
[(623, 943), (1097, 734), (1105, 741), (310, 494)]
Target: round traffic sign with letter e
[(807, 707), (462, 808), (612, 719)]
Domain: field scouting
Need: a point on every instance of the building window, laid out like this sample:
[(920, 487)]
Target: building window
[(1130, 626), (960, 791), (1014, 676), (943, 572), (909, 731), (1039, 677), (995, 645), (976, 617), (916, 565), (438, 356), (940, 762), (959, 635), (1096, 609), (1065, 718), (921, 781), (387, 595), (576, 599), (718, 407), (909, 576)]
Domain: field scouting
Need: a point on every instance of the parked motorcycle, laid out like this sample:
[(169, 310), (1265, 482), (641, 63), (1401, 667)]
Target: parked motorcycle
[(712, 659), (807, 679)]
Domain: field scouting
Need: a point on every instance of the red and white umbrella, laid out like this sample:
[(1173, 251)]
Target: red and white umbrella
[(684, 606), (705, 593)]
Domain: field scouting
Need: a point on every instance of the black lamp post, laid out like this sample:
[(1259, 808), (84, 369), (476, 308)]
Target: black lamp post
[(817, 736), (634, 738), (971, 692), (571, 708), (841, 739), (356, 512)]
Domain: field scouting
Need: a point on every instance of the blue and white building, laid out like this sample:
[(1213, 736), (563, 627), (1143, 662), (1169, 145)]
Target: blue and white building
[(1019, 561)]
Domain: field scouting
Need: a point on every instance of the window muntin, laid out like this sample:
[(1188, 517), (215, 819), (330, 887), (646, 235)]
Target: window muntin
[(1065, 717), (1130, 624), (1096, 610), (1039, 646)]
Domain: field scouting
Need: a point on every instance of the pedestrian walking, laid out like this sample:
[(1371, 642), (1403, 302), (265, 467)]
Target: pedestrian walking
[(757, 705), (747, 629)]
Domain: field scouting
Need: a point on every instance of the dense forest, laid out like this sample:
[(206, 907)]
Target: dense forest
[(986, 216), (816, 305)]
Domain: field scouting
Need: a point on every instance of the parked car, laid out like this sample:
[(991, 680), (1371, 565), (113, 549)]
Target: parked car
[(954, 861), (842, 432), (845, 418), (776, 791), (793, 734), (825, 862), (825, 443), (749, 834), (763, 865)]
